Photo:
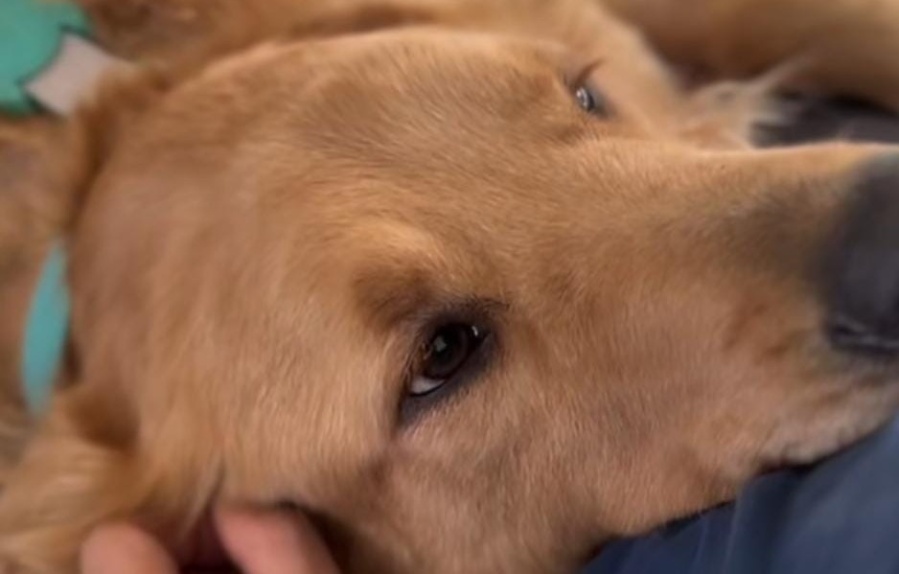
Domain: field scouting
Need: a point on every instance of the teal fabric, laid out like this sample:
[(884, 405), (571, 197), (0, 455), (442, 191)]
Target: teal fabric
[(30, 35), (31, 32), (46, 331)]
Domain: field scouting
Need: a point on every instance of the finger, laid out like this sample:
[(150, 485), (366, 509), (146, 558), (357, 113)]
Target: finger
[(124, 549), (273, 542)]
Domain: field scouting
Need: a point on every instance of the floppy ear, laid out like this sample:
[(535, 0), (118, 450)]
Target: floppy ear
[(44, 164), (63, 472), (47, 165), (82, 463), (34, 206)]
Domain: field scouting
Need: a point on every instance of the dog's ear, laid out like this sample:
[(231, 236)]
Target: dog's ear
[(44, 165), (47, 166), (34, 169), (76, 466), (36, 200)]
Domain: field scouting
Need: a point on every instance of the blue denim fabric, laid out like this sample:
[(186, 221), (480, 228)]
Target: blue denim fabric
[(838, 517)]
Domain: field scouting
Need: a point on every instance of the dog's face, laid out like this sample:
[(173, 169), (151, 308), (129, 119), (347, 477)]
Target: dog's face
[(445, 291)]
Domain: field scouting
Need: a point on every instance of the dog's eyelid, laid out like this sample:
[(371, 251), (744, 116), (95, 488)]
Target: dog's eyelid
[(460, 309), (582, 76), (585, 92)]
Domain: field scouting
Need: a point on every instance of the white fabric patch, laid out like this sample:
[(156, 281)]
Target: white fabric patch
[(72, 76)]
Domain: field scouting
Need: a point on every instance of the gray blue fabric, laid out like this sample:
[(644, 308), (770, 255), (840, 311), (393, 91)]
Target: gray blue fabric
[(839, 517)]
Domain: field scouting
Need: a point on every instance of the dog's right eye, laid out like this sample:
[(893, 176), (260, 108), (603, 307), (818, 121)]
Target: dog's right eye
[(447, 352)]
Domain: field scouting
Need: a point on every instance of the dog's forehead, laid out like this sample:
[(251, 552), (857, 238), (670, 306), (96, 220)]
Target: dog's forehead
[(393, 114), (400, 56), (341, 90), (275, 159)]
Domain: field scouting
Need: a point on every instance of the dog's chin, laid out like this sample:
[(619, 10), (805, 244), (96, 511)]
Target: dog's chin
[(804, 440)]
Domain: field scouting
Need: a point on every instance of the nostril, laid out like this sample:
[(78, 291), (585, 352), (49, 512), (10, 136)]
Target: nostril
[(862, 266), (850, 335)]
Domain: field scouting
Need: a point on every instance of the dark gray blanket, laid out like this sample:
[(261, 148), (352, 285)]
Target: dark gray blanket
[(819, 120)]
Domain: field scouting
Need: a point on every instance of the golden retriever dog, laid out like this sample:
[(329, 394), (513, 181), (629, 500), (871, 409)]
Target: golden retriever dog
[(480, 284)]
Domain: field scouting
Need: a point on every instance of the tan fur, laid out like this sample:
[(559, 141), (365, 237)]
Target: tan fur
[(260, 221)]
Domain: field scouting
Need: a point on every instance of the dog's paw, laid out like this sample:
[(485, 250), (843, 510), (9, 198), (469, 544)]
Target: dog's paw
[(732, 113)]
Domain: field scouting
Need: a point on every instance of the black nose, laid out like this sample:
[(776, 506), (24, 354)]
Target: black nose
[(862, 270)]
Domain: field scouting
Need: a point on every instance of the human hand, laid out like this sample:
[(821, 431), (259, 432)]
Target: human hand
[(257, 542)]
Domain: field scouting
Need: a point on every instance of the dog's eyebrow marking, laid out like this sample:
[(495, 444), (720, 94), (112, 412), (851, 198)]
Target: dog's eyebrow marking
[(392, 297), (394, 279), (389, 297)]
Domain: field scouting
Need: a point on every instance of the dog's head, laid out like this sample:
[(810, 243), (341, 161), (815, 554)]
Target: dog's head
[(444, 291)]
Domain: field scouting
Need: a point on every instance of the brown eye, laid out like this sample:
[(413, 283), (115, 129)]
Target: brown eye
[(448, 350)]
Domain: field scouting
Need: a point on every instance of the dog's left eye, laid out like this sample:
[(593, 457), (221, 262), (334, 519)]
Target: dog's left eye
[(446, 354), (589, 101)]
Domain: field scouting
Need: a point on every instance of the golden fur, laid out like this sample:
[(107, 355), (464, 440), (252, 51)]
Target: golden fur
[(264, 220)]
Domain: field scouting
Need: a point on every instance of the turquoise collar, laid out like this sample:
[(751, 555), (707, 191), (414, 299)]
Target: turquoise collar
[(46, 331)]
